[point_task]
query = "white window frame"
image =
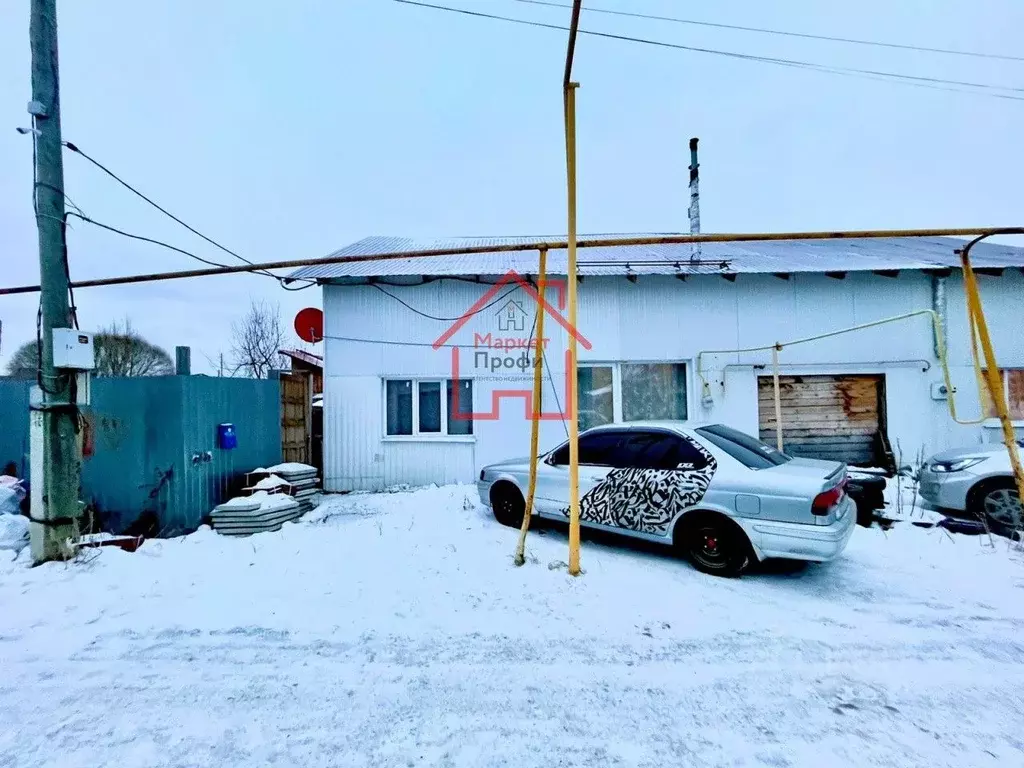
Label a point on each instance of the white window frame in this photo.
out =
(616, 367)
(416, 435)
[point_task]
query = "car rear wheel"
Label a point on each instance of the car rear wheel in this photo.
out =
(715, 545)
(998, 501)
(508, 504)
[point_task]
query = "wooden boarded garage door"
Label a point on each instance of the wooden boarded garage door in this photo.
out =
(825, 417)
(296, 416)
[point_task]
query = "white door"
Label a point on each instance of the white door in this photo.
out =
(596, 455)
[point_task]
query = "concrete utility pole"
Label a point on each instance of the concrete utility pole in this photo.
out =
(54, 515)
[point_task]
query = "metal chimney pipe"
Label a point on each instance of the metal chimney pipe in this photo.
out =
(939, 307)
(694, 209)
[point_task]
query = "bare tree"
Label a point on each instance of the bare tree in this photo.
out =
(120, 351)
(24, 362)
(257, 339)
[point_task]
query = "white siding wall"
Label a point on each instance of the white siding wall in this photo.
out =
(353, 453)
(655, 319)
(422, 463)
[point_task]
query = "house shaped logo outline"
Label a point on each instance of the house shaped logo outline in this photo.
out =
(511, 317)
(525, 394)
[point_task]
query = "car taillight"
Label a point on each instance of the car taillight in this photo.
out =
(825, 500)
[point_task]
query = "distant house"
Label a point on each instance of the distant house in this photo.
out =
(307, 361)
(663, 332)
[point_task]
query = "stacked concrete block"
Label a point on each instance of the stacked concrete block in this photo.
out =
(303, 481)
(271, 497)
(258, 513)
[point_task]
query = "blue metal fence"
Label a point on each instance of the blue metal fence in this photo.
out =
(14, 423)
(154, 446)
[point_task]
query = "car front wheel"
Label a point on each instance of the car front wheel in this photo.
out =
(999, 502)
(715, 546)
(508, 504)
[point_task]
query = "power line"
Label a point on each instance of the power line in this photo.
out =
(411, 308)
(67, 266)
(175, 248)
(162, 244)
(156, 205)
(189, 254)
(397, 343)
(145, 239)
(914, 80)
(731, 54)
(284, 280)
(256, 271)
(539, 407)
(786, 33)
(554, 389)
(74, 148)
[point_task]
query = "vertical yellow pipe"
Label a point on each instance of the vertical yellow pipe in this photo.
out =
(538, 364)
(993, 378)
(778, 397)
(574, 430)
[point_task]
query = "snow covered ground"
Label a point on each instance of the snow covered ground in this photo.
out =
(393, 630)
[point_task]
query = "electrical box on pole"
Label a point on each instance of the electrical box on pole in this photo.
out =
(73, 350)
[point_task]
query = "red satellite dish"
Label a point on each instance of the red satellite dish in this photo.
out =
(309, 325)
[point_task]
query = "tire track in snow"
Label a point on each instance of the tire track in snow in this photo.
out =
(383, 700)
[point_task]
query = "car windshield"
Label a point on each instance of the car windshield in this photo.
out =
(747, 450)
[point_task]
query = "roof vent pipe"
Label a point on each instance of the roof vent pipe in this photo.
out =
(694, 209)
(939, 307)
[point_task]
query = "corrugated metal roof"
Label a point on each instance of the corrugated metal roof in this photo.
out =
(853, 255)
(306, 357)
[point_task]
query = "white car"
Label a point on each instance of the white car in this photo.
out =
(718, 495)
(976, 480)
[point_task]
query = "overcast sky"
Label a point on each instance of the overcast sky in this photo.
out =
(290, 129)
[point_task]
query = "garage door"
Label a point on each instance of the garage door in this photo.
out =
(825, 417)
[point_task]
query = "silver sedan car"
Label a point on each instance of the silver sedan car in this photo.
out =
(717, 495)
(978, 481)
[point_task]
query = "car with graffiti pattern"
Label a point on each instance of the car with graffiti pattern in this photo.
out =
(717, 495)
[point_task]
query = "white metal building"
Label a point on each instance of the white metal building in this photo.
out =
(414, 346)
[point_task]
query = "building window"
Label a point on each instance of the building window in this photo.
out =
(460, 407)
(619, 392)
(1013, 390)
(399, 407)
(653, 391)
(595, 386)
(430, 407)
(416, 407)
